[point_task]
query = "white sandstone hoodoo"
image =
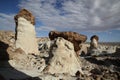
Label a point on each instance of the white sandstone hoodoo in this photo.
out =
(93, 50)
(25, 36)
(64, 59)
(94, 42)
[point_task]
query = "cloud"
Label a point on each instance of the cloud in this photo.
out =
(44, 28)
(71, 15)
(7, 21)
(75, 15)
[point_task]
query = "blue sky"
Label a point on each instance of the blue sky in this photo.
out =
(89, 17)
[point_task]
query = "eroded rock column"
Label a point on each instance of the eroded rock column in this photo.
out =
(94, 42)
(93, 50)
(25, 35)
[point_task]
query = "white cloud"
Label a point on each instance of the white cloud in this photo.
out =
(76, 15)
(73, 15)
(44, 28)
(7, 21)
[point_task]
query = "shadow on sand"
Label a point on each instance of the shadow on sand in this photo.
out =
(107, 59)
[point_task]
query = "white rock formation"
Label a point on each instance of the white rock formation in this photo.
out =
(64, 58)
(25, 33)
(27, 62)
(84, 49)
(93, 50)
(94, 43)
(44, 48)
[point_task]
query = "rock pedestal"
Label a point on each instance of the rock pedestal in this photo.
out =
(94, 42)
(64, 59)
(94, 46)
(25, 36)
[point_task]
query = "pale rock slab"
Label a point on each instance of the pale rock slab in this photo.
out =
(27, 62)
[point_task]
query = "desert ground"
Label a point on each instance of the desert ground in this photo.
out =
(102, 64)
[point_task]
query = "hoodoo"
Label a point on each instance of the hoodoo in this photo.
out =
(25, 35)
(73, 37)
(94, 42)
(63, 58)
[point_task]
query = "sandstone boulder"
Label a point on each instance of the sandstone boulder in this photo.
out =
(63, 58)
(84, 49)
(25, 32)
(6, 41)
(7, 37)
(20, 60)
(25, 14)
(73, 37)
